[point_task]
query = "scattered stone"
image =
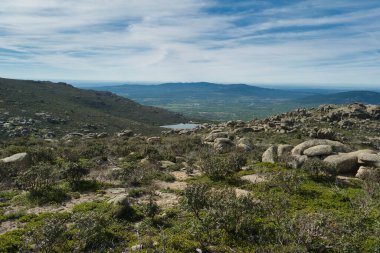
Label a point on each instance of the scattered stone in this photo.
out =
(137, 247)
(154, 140)
(125, 133)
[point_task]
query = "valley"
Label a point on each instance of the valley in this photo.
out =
(209, 101)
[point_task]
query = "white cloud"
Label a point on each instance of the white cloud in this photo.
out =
(177, 40)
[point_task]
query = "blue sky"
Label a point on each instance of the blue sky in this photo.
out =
(300, 42)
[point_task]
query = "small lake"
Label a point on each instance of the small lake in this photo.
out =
(182, 126)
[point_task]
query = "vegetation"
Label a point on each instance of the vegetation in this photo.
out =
(303, 210)
(178, 194)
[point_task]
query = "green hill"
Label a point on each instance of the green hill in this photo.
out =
(61, 107)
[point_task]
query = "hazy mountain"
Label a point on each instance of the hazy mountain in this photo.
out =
(211, 101)
(71, 108)
(367, 97)
(200, 90)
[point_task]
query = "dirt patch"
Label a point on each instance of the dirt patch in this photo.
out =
(176, 185)
(166, 200)
(8, 226)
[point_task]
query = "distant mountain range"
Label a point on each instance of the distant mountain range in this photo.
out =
(236, 101)
(77, 108)
(201, 90)
(366, 97)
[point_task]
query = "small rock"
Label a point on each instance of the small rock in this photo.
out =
(137, 247)
(154, 140)
(362, 172)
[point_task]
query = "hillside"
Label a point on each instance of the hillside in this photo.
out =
(211, 101)
(303, 181)
(367, 97)
(59, 107)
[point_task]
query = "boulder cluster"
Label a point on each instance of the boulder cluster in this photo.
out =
(332, 152)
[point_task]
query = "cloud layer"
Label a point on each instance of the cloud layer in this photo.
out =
(283, 42)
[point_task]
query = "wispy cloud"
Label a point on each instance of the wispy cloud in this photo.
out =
(309, 41)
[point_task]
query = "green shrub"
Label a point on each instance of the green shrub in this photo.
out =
(49, 236)
(42, 155)
(319, 169)
(74, 172)
(218, 167)
(38, 178)
(151, 209)
(93, 234)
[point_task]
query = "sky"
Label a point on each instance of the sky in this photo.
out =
(299, 42)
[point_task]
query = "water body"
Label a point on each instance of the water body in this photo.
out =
(181, 126)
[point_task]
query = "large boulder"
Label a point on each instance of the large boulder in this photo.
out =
(270, 155)
(244, 144)
(336, 146)
(223, 144)
(347, 162)
(212, 136)
(20, 158)
(121, 199)
(319, 150)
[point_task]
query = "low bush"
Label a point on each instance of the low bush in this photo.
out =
(319, 170)
(218, 167)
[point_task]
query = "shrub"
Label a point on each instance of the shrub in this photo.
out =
(38, 177)
(319, 169)
(92, 232)
(74, 172)
(151, 208)
(288, 180)
(372, 182)
(221, 212)
(196, 198)
(49, 236)
(218, 167)
(42, 155)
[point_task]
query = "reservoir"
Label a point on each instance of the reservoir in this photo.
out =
(181, 126)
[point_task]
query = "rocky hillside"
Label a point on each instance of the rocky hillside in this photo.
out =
(302, 181)
(53, 109)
